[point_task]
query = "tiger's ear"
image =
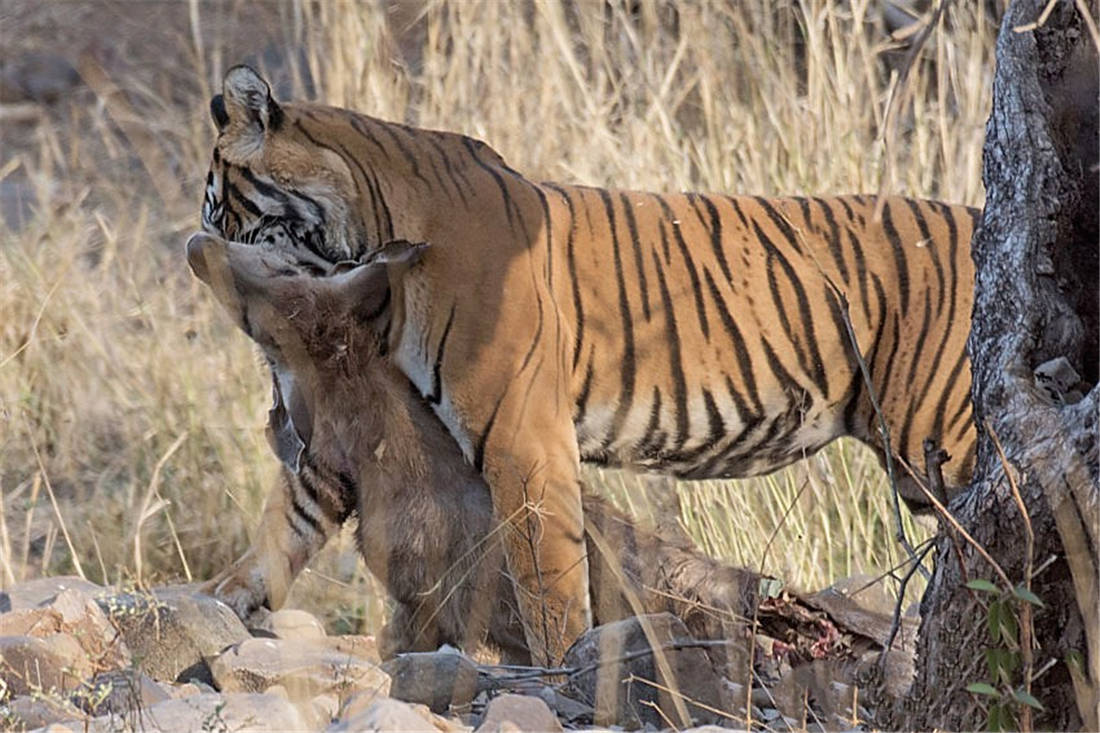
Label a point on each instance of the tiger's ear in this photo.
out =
(246, 99)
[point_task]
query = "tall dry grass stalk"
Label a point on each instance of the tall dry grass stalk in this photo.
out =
(146, 408)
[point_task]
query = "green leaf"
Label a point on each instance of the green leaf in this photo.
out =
(1027, 596)
(1026, 698)
(993, 619)
(983, 585)
(1002, 664)
(1009, 628)
(982, 688)
(1002, 622)
(1001, 717)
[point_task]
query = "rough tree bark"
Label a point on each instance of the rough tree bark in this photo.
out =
(1036, 302)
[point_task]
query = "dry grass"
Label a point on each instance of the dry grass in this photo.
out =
(128, 398)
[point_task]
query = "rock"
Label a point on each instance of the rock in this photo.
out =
(619, 669)
(38, 76)
(75, 613)
(55, 662)
(29, 622)
(30, 712)
(387, 714)
(521, 711)
(119, 692)
(567, 710)
(323, 709)
(290, 623)
(305, 669)
(762, 697)
(866, 591)
(179, 690)
(172, 633)
(237, 712)
(436, 679)
(34, 593)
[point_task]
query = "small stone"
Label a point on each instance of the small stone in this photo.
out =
(568, 710)
(305, 668)
(53, 663)
(524, 712)
(769, 714)
(34, 711)
(385, 714)
(436, 679)
(291, 623)
(325, 707)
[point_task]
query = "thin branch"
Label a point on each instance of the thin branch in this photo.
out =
(1026, 627)
(950, 519)
(884, 430)
(895, 623)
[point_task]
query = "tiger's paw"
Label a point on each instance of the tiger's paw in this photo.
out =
(242, 588)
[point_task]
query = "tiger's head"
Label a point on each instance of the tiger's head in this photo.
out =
(271, 181)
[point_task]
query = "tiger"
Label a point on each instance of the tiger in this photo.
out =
(425, 526)
(692, 334)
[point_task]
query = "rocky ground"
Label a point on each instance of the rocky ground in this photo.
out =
(77, 656)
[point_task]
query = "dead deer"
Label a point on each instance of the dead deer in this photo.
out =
(356, 438)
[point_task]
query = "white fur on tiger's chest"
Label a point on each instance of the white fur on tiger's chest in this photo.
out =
(412, 358)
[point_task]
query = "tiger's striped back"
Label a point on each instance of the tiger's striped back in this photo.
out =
(733, 358)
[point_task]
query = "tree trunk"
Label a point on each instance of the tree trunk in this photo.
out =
(1035, 316)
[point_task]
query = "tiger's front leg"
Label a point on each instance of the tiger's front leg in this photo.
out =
(292, 530)
(532, 466)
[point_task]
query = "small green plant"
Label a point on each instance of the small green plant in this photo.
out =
(214, 722)
(1008, 684)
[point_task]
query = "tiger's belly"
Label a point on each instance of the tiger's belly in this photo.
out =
(711, 442)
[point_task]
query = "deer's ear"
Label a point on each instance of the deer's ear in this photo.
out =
(206, 254)
(365, 289)
(246, 102)
(289, 423)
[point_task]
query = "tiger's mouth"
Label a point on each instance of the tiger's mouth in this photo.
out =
(302, 244)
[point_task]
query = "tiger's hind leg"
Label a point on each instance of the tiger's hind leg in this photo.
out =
(292, 529)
